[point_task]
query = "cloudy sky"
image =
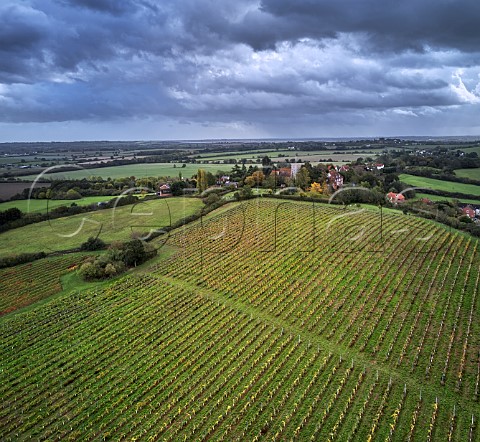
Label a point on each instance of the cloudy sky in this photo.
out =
(191, 69)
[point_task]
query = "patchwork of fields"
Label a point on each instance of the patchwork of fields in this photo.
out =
(273, 321)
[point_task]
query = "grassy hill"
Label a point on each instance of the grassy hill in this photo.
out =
(43, 206)
(108, 224)
(473, 174)
(274, 320)
(444, 186)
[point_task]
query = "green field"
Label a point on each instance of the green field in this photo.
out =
(109, 225)
(274, 320)
(472, 149)
(442, 198)
(42, 206)
(443, 186)
(311, 156)
(136, 170)
(473, 174)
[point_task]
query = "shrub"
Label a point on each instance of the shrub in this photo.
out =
(92, 244)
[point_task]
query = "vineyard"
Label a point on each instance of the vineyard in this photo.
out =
(273, 321)
(25, 284)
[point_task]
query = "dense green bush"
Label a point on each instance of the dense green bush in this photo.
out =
(117, 259)
(93, 243)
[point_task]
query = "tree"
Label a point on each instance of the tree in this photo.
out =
(210, 177)
(72, 194)
(302, 179)
(258, 176)
(93, 243)
(177, 187)
(266, 161)
(10, 215)
(202, 180)
(91, 270)
(134, 252)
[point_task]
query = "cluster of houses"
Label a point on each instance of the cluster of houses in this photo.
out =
(471, 212)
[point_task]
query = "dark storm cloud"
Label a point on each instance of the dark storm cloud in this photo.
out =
(389, 24)
(209, 61)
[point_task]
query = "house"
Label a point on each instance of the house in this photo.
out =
(285, 172)
(294, 168)
(380, 166)
(469, 211)
(224, 180)
(334, 179)
(164, 190)
(395, 198)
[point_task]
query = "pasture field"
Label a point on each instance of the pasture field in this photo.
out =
(472, 149)
(136, 170)
(272, 321)
(25, 284)
(108, 224)
(43, 206)
(444, 186)
(313, 156)
(442, 198)
(473, 174)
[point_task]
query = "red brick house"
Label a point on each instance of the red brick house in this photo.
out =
(469, 211)
(335, 179)
(395, 198)
(164, 190)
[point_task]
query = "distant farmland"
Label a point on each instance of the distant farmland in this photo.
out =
(137, 170)
(9, 189)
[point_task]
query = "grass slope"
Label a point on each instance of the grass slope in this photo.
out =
(444, 186)
(473, 174)
(442, 198)
(274, 320)
(109, 225)
(42, 206)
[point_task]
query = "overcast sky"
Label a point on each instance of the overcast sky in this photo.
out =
(191, 69)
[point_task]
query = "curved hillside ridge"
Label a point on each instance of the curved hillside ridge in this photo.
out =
(266, 226)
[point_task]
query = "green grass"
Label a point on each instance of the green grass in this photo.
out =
(473, 174)
(136, 170)
(472, 149)
(443, 186)
(109, 225)
(311, 156)
(442, 198)
(42, 206)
